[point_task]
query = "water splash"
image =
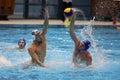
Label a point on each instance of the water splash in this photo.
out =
(86, 33)
(4, 61)
(78, 12)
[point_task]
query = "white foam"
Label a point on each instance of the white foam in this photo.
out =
(86, 33)
(4, 61)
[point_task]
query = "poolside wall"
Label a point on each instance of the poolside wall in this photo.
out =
(87, 6)
(34, 10)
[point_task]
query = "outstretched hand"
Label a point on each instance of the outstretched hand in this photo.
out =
(46, 13)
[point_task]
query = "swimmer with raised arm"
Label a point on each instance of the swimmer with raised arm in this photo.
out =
(37, 48)
(80, 52)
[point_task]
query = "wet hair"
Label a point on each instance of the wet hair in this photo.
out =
(22, 40)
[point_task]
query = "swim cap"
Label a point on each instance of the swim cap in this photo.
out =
(87, 44)
(68, 12)
(35, 35)
(35, 32)
(22, 40)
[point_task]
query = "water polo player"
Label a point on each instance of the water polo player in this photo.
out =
(21, 44)
(37, 48)
(80, 52)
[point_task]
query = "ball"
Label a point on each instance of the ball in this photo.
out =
(68, 12)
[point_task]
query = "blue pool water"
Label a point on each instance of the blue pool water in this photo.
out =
(105, 51)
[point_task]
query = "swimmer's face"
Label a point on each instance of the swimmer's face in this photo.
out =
(82, 46)
(37, 37)
(21, 44)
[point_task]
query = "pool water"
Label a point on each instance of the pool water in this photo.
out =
(14, 63)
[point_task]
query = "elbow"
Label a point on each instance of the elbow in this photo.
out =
(29, 49)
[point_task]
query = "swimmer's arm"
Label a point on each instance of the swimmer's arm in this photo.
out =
(35, 57)
(89, 60)
(46, 21)
(72, 33)
(74, 61)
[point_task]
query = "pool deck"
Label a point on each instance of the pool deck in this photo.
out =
(53, 22)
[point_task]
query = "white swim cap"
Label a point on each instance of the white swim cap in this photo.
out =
(35, 32)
